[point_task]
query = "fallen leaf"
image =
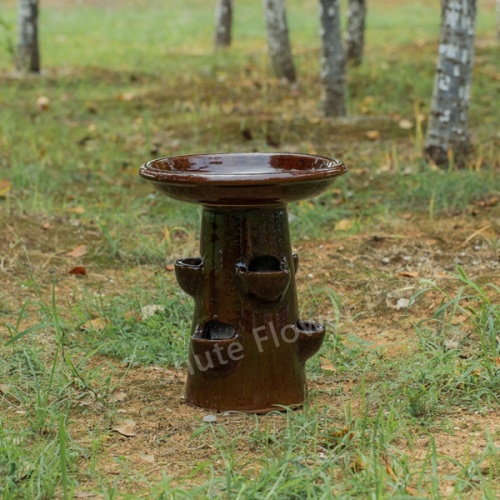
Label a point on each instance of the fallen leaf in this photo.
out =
(78, 251)
(117, 395)
(410, 491)
(402, 304)
(343, 225)
(78, 270)
(4, 187)
(75, 210)
(365, 106)
(372, 135)
(488, 202)
(169, 267)
(150, 310)
(407, 216)
(408, 274)
(405, 124)
(337, 436)
(357, 465)
(442, 275)
(126, 96)
(126, 428)
(43, 103)
(148, 458)
(4, 388)
(327, 365)
(451, 344)
(46, 225)
(96, 324)
(133, 315)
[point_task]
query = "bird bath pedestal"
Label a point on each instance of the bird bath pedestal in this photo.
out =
(248, 346)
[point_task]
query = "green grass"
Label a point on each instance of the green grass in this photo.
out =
(135, 81)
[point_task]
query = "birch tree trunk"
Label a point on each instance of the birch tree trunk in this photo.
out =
(278, 40)
(355, 36)
(498, 19)
(27, 53)
(333, 73)
(447, 133)
(223, 23)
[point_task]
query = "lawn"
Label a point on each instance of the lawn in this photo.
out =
(399, 259)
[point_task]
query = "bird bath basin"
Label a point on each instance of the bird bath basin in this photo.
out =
(248, 345)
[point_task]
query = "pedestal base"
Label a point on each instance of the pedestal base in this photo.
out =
(248, 347)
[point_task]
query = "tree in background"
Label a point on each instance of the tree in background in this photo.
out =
(447, 136)
(223, 23)
(498, 19)
(333, 73)
(278, 39)
(27, 52)
(355, 35)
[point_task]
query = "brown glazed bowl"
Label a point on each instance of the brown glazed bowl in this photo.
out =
(242, 179)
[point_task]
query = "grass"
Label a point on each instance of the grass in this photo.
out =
(414, 416)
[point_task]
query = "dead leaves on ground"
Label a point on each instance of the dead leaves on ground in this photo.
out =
(79, 210)
(78, 271)
(126, 428)
(78, 251)
(5, 187)
(43, 103)
(117, 395)
(327, 365)
(98, 324)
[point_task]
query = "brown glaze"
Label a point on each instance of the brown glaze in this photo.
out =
(248, 345)
(244, 179)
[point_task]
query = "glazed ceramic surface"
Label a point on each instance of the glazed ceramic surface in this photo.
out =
(248, 345)
(244, 179)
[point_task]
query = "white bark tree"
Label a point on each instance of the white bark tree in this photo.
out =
(447, 134)
(223, 23)
(498, 19)
(27, 51)
(278, 40)
(355, 35)
(333, 74)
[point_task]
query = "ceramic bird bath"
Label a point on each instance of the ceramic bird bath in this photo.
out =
(248, 346)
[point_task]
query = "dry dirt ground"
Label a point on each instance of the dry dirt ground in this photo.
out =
(370, 271)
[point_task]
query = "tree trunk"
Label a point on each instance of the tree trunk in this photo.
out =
(223, 23)
(278, 39)
(355, 36)
(498, 19)
(333, 73)
(27, 54)
(447, 134)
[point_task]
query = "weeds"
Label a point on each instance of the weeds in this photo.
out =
(377, 424)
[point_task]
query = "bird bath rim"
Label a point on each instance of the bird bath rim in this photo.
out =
(238, 179)
(241, 168)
